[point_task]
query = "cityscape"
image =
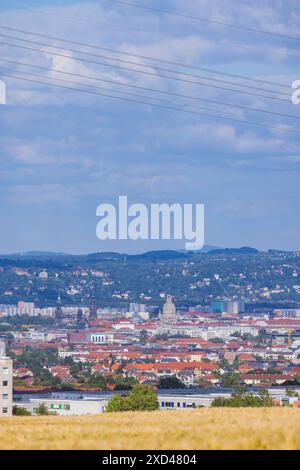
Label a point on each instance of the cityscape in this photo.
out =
(244, 335)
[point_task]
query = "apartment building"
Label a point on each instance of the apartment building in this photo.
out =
(6, 386)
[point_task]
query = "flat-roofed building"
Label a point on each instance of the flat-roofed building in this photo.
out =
(6, 386)
(65, 407)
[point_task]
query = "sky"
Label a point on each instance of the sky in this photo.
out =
(62, 153)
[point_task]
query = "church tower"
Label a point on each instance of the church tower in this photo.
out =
(58, 310)
(169, 314)
(93, 311)
(79, 316)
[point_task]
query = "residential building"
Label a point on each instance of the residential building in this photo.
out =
(6, 370)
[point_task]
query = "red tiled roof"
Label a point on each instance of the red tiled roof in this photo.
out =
(246, 357)
(206, 366)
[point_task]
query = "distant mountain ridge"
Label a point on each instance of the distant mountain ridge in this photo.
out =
(154, 255)
(107, 254)
(243, 250)
(37, 253)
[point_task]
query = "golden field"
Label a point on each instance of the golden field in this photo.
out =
(217, 428)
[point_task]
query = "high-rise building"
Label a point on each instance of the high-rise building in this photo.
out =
(26, 308)
(6, 384)
(8, 310)
(218, 306)
(235, 306)
(228, 306)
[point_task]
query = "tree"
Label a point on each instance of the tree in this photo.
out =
(125, 383)
(217, 340)
(244, 400)
(289, 383)
(143, 336)
(42, 410)
(161, 336)
(45, 378)
(38, 360)
(230, 379)
(96, 381)
(265, 397)
(170, 381)
(117, 403)
(141, 398)
(68, 361)
(224, 364)
(20, 411)
(236, 363)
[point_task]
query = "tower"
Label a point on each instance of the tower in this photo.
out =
(58, 310)
(169, 314)
(93, 311)
(79, 316)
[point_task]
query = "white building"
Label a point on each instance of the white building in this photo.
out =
(287, 313)
(26, 308)
(43, 275)
(8, 310)
(66, 407)
(101, 338)
(207, 332)
(6, 382)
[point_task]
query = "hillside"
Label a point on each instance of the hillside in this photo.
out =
(115, 280)
(269, 428)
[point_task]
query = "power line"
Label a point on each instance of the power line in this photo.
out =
(127, 93)
(92, 92)
(151, 67)
(143, 71)
(178, 64)
(189, 105)
(118, 83)
(204, 20)
(114, 25)
(93, 86)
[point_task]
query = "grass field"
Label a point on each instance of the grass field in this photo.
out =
(218, 428)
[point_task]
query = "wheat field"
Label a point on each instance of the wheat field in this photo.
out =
(217, 428)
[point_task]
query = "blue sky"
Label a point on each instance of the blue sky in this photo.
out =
(62, 153)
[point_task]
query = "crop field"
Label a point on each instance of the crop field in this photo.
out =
(217, 428)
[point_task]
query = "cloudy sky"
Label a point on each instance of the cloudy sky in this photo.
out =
(63, 152)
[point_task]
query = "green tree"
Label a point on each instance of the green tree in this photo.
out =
(236, 363)
(96, 381)
(117, 403)
(143, 336)
(241, 400)
(42, 410)
(217, 340)
(141, 398)
(124, 383)
(170, 381)
(68, 361)
(20, 411)
(230, 379)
